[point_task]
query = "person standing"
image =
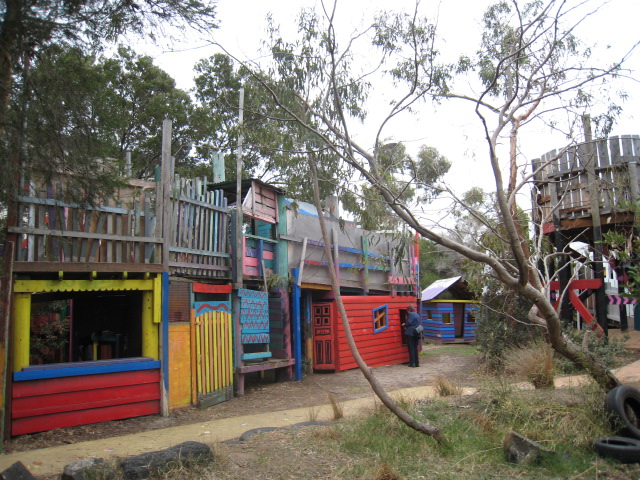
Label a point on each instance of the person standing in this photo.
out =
(413, 337)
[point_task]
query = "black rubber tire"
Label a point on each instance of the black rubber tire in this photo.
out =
(623, 449)
(623, 404)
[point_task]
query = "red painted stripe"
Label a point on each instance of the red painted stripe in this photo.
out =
(87, 382)
(206, 288)
(85, 400)
(70, 419)
(250, 262)
(267, 255)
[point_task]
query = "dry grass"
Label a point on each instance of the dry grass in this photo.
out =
(337, 407)
(533, 363)
(312, 413)
(445, 387)
(386, 473)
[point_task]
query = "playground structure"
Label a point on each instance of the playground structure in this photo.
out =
(153, 307)
(580, 193)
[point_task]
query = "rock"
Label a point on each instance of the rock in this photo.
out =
(17, 471)
(93, 469)
(147, 464)
(520, 449)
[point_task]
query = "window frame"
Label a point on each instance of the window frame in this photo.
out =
(375, 312)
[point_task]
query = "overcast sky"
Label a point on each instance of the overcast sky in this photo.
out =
(452, 129)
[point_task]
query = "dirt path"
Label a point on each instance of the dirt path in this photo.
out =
(456, 363)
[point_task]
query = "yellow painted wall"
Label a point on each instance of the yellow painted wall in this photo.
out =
(179, 365)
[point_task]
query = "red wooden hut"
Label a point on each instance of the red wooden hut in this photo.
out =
(376, 322)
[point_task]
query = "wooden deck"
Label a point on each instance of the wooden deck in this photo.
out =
(563, 180)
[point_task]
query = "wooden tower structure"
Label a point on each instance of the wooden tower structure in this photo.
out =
(580, 193)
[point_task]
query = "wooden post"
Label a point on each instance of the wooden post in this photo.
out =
(239, 253)
(21, 330)
(594, 197)
(167, 178)
(302, 256)
(297, 331)
(149, 328)
(161, 289)
(217, 164)
(6, 289)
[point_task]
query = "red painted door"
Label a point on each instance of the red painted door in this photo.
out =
(323, 351)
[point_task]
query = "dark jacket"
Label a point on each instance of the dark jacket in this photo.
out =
(413, 320)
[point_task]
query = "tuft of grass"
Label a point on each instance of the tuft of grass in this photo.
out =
(312, 413)
(533, 363)
(336, 406)
(445, 387)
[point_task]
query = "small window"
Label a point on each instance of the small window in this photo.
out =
(446, 318)
(471, 316)
(380, 318)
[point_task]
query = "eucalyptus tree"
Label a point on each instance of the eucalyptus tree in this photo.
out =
(529, 65)
(274, 148)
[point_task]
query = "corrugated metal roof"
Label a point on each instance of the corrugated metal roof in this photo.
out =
(437, 287)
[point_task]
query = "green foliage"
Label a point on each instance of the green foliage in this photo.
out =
(436, 263)
(37, 38)
(502, 324)
(564, 421)
(610, 352)
(84, 112)
(50, 332)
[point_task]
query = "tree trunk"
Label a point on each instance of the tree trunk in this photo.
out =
(384, 397)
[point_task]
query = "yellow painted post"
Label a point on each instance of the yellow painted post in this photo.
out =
(149, 327)
(199, 356)
(21, 330)
(207, 352)
(216, 350)
(157, 299)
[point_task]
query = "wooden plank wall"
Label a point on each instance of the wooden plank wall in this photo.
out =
(434, 327)
(199, 230)
(45, 404)
(563, 178)
(121, 230)
(377, 349)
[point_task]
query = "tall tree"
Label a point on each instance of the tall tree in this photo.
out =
(274, 149)
(79, 110)
(536, 68)
(29, 27)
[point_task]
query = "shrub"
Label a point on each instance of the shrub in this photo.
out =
(502, 325)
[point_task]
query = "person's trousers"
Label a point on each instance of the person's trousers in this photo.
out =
(412, 344)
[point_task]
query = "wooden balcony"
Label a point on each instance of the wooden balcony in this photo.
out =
(563, 180)
(120, 234)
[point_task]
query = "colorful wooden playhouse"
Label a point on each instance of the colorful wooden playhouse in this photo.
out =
(450, 320)
(160, 313)
(375, 284)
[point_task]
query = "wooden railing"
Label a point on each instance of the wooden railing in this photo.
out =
(562, 182)
(199, 244)
(121, 230)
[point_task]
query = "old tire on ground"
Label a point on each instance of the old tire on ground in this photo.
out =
(623, 403)
(623, 449)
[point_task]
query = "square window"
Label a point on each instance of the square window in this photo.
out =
(380, 318)
(446, 318)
